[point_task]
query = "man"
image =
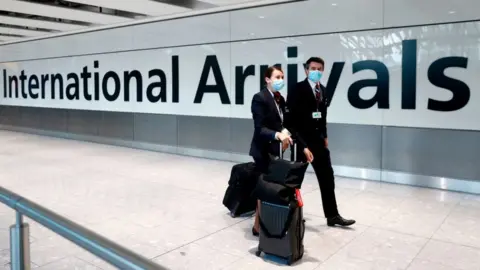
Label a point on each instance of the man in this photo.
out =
(307, 121)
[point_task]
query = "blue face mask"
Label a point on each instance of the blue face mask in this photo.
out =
(314, 75)
(277, 85)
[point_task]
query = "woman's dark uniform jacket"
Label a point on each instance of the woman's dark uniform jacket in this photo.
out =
(267, 122)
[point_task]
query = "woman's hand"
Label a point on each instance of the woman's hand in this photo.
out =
(308, 155)
(284, 138)
(285, 145)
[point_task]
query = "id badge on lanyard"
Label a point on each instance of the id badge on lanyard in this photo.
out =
(317, 115)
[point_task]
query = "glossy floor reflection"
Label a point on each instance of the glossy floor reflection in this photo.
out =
(168, 208)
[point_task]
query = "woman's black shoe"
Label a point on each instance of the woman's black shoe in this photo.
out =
(254, 232)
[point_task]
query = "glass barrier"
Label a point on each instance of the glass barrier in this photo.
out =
(94, 243)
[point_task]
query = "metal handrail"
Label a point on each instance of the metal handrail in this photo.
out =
(96, 244)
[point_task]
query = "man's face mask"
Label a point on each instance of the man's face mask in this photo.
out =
(314, 75)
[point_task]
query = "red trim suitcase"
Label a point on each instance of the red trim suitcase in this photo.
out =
(282, 227)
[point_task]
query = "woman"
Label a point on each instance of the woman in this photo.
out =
(268, 108)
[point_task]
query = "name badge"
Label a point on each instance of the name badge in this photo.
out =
(316, 115)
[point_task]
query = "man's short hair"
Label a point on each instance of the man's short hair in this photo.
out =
(314, 60)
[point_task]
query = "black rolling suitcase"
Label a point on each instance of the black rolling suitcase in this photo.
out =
(282, 226)
(238, 196)
(282, 229)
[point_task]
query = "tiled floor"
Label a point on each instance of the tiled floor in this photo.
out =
(169, 208)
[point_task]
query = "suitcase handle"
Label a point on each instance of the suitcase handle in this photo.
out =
(293, 149)
(303, 230)
(286, 226)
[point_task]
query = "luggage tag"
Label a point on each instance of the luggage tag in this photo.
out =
(299, 197)
(316, 115)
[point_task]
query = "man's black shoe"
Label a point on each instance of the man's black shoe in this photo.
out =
(338, 220)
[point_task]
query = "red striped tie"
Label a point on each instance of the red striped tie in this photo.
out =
(318, 94)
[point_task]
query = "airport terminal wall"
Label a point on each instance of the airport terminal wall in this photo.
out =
(403, 77)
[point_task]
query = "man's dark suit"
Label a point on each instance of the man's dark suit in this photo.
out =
(311, 133)
(267, 122)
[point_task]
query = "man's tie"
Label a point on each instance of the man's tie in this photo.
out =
(318, 94)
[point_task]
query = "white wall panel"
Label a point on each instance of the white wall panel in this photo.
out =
(178, 32)
(191, 62)
(434, 43)
(305, 18)
(86, 43)
(114, 40)
(254, 23)
(414, 12)
(383, 50)
(332, 48)
(192, 30)
(195, 38)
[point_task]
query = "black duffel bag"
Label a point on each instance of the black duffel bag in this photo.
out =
(286, 173)
(289, 173)
(273, 192)
(282, 178)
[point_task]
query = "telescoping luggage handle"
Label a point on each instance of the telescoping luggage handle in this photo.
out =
(293, 150)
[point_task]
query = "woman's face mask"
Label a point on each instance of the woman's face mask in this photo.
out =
(276, 81)
(277, 85)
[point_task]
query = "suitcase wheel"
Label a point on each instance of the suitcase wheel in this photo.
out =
(258, 253)
(289, 260)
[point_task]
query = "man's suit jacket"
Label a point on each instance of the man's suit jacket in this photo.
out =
(267, 123)
(301, 104)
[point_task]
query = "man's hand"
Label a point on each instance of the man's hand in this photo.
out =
(308, 155)
(326, 142)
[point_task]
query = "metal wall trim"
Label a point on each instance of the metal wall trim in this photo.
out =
(450, 184)
(358, 173)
